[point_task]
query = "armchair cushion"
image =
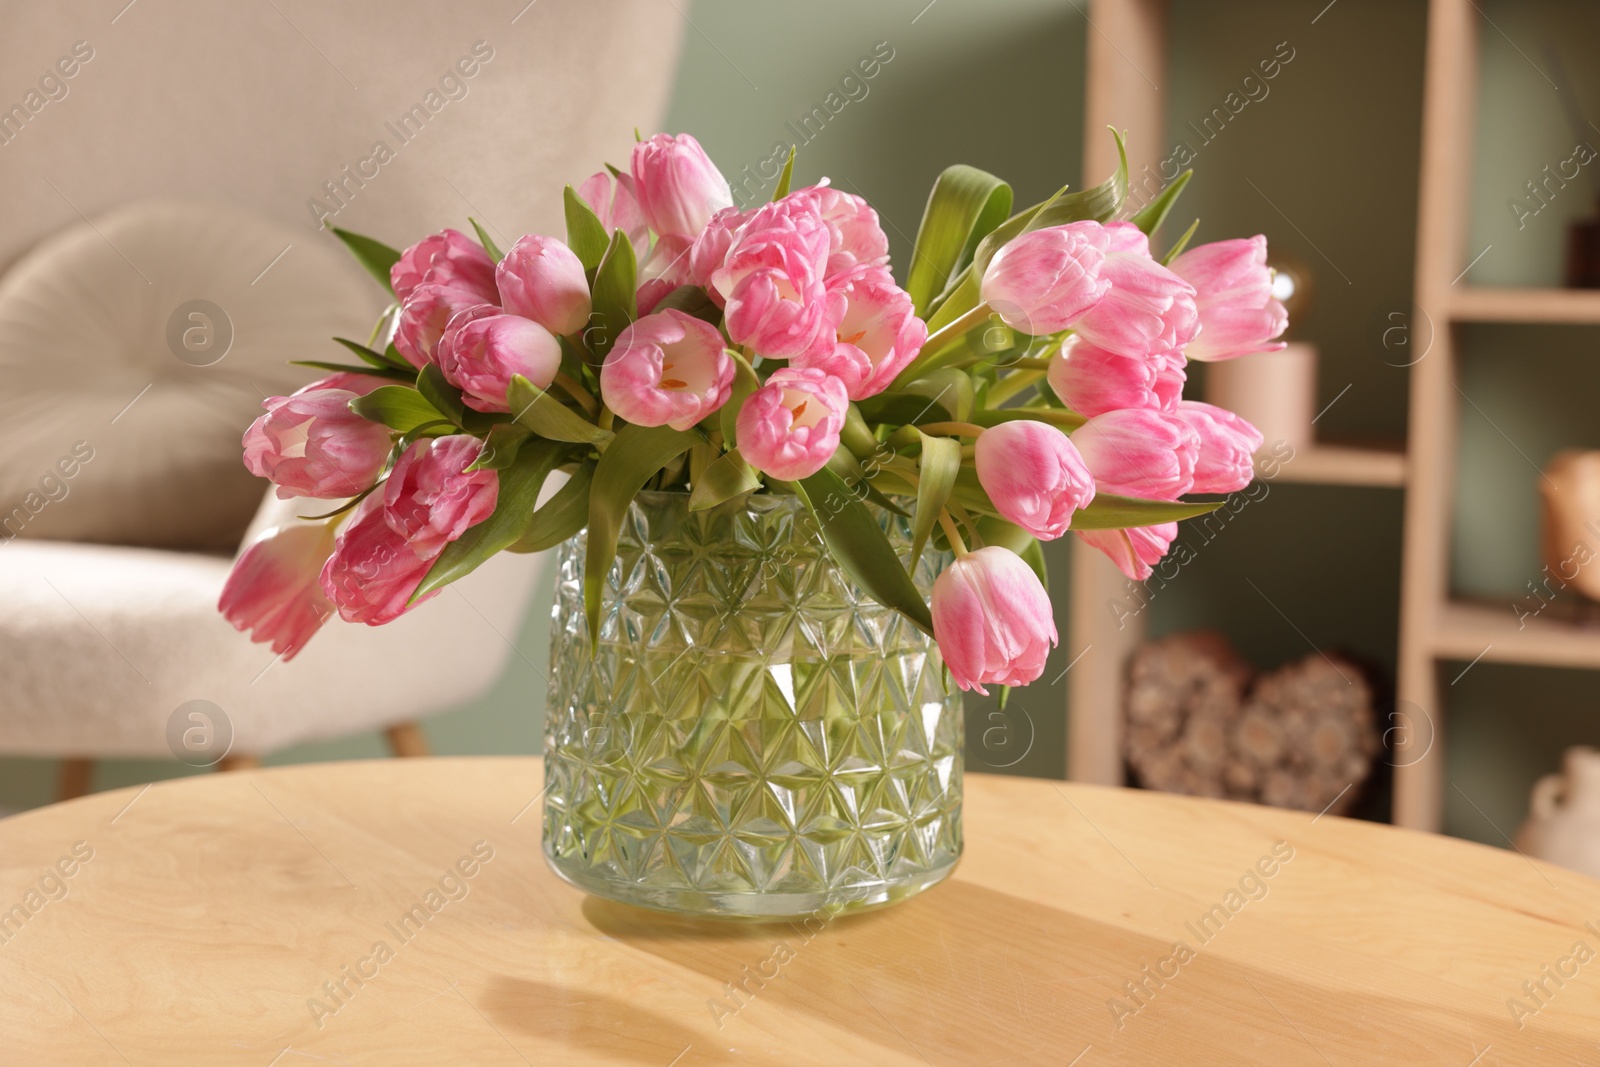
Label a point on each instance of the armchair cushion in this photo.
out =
(125, 398)
(99, 646)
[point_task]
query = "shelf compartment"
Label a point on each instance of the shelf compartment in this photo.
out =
(1471, 631)
(1573, 306)
(1338, 464)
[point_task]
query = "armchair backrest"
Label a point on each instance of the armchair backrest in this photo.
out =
(390, 118)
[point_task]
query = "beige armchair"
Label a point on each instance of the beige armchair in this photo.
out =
(138, 336)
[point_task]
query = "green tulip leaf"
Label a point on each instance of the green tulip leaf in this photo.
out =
(938, 464)
(691, 300)
(1108, 512)
(615, 297)
(563, 515)
(376, 256)
(486, 241)
(724, 478)
(965, 205)
(782, 188)
(850, 470)
(585, 234)
(1183, 242)
(441, 394)
(632, 459)
(950, 387)
(548, 417)
(399, 407)
(745, 382)
(1057, 417)
(861, 548)
(346, 368)
(377, 359)
(1150, 217)
(500, 447)
(1100, 204)
(902, 408)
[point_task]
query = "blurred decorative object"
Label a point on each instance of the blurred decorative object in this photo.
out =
(1302, 737)
(1583, 253)
(1563, 825)
(1571, 543)
(1186, 693)
(1276, 391)
(1583, 235)
(715, 359)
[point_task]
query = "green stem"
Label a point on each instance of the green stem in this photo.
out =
(577, 392)
(1012, 384)
(952, 429)
(943, 342)
(953, 533)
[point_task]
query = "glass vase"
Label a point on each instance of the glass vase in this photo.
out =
(754, 736)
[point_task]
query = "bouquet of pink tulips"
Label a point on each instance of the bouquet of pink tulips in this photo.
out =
(1026, 380)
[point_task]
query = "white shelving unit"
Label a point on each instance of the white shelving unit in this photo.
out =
(1128, 36)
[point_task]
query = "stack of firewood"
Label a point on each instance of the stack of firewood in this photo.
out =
(1303, 736)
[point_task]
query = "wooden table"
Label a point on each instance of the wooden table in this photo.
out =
(285, 917)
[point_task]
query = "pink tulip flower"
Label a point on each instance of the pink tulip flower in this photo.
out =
(451, 259)
(1233, 294)
(666, 268)
(1135, 551)
(425, 314)
(350, 381)
(1045, 280)
(855, 236)
(1149, 310)
(273, 593)
(480, 353)
(1093, 381)
(878, 336)
(677, 185)
(710, 249)
(667, 369)
(612, 200)
(992, 619)
(374, 570)
(431, 498)
(312, 444)
(789, 428)
(1034, 475)
(542, 279)
(772, 281)
(1228, 446)
(1139, 453)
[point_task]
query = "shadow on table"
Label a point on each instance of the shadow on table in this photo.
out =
(961, 971)
(967, 974)
(577, 1019)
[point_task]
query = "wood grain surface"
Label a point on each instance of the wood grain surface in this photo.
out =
(400, 912)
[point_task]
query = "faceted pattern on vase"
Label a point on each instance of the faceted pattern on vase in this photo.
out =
(752, 723)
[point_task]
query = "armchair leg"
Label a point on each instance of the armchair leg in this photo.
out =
(75, 778)
(238, 763)
(406, 739)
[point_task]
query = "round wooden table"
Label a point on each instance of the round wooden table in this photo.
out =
(400, 912)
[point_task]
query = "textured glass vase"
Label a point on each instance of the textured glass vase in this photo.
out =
(754, 736)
